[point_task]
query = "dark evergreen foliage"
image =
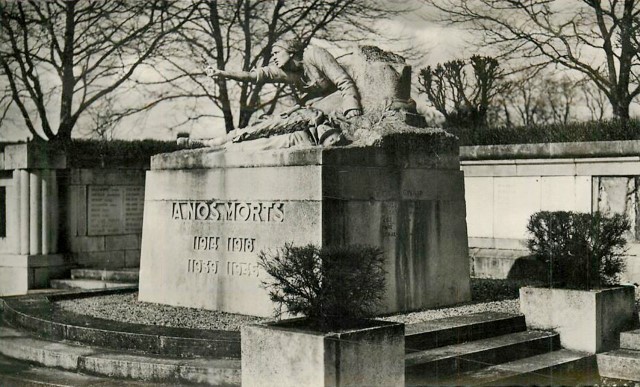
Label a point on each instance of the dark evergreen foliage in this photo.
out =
(613, 130)
(331, 286)
(583, 251)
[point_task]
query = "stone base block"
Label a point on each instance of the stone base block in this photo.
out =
(587, 320)
(19, 273)
(274, 355)
(208, 214)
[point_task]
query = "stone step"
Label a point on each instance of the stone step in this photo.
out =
(460, 329)
(22, 374)
(620, 364)
(561, 367)
(38, 316)
(89, 284)
(119, 275)
(630, 340)
(434, 364)
(117, 364)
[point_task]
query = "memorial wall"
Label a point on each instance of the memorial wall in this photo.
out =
(104, 209)
(505, 185)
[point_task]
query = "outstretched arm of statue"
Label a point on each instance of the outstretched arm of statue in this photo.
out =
(245, 76)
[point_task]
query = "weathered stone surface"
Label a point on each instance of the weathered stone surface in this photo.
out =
(383, 79)
(273, 356)
(33, 156)
(551, 150)
(19, 273)
(620, 363)
(205, 224)
(589, 321)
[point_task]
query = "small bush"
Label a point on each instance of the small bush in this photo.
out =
(583, 251)
(331, 286)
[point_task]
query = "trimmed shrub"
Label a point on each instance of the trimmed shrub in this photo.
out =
(114, 153)
(331, 286)
(582, 251)
(611, 130)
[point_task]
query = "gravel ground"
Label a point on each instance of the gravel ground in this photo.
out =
(127, 308)
(506, 306)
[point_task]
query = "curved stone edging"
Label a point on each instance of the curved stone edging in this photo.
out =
(36, 314)
(551, 150)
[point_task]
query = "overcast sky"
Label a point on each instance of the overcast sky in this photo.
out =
(441, 43)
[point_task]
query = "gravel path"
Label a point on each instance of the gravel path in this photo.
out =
(127, 308)
(505, 306)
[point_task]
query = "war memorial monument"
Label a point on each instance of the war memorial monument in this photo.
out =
(397, 185)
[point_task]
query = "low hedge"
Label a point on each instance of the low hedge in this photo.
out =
(612, 130)
(114, 153)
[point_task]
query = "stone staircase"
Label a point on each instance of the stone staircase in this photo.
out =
(99, 279)
(490, 349)
(42, 346)
(623, 363)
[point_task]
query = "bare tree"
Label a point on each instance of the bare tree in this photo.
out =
(240, 35)
(61, 58)
(595, 37)
(539, 98)
(561, 96)
(596, 102)
(462, 101)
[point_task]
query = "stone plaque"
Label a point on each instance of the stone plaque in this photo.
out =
(113, 210)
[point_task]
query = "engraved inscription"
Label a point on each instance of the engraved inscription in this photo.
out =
(388, 228)
(133, 208)
(233, 244)
(114, 209)
(228, 211)
(235, 269)
(243, 269)
(206, 243)
(412, 193)
(241, 245)
(202, 266)
(105, 210)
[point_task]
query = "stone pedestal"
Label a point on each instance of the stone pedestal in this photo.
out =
(281, 355)
(28, 251)
(208, 214)
(587, 320)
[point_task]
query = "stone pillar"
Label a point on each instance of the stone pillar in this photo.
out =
(46, 216)
(24, 211)
(35, 218)
(14, 207)
(54, 211)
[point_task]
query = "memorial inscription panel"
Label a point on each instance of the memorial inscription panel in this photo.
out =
(115, 210)
(209, 248)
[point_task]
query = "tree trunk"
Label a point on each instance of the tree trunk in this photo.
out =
(223, 97)
(621, 111)
(68, 80)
